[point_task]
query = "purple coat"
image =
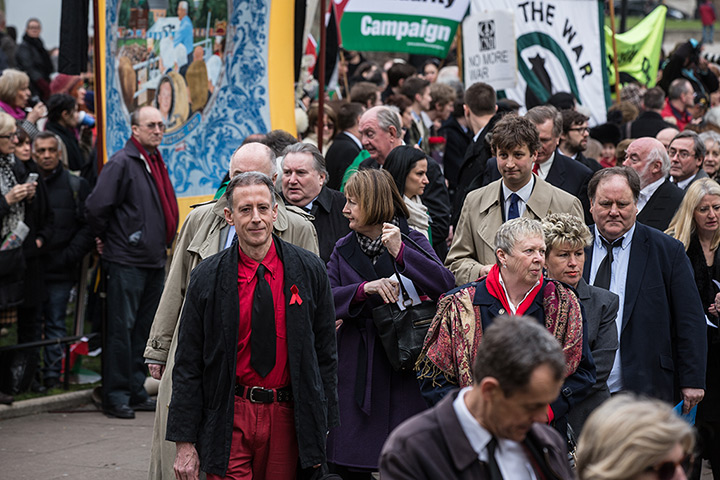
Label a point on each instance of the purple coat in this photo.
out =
(373, 398)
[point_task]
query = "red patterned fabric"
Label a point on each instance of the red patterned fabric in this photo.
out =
(452, 340)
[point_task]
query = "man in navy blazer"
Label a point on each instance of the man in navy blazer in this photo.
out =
(661, 324)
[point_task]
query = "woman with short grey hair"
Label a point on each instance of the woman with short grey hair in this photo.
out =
(515, 286)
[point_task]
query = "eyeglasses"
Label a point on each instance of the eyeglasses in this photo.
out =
(153, 126)
(666, 470)
(12, 135)
(329, 126)
(682, 154)
(579, 129)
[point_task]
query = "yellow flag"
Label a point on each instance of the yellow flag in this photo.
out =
(638, 49)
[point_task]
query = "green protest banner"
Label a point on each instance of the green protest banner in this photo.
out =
(414, 26)
(638, 49)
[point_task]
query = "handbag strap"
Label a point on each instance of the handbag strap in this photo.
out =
(405, 295)
(420, 249)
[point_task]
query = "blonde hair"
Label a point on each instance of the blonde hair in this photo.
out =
(7, 123)
(11, 81)
(376, 194)
(682, 225)
(626, 435)
(565, 229)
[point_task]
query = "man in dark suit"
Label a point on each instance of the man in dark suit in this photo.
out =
(574, 138)
(659, 198)
(346, 146)
(660, 321)
(687, 153)
(256, 341)
(649, 122)
(303, 178)
(497, 428)
(480, 113)
(551, 165)
(380, 130)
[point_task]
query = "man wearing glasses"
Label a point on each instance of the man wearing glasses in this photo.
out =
(686, 152)
(134, 215)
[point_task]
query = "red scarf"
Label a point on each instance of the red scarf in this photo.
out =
(166, 193)
(496, 290)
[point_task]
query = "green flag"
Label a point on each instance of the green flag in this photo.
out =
(638, 49)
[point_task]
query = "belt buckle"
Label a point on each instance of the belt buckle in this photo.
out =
(252, 396)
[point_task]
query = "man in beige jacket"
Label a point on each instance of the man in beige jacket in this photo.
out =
(205, 233)
(519, 193)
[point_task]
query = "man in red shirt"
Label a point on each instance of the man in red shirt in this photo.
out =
(254, 384)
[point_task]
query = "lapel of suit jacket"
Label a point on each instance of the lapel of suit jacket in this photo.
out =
(230, 301)
(491, 203)
(294, 274)
(357, 259)
(636, 270)
(539, 202)
(556, 175)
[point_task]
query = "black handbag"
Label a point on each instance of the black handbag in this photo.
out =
(402, 332)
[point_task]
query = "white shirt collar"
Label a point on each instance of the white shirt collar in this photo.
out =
(524, 193)
(684, 183)
(507, 295)
(354, 138)
(544, 168)
(648, 192)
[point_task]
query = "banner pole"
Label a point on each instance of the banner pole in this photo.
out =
(321, 77)
(460, 62)
(614, 45)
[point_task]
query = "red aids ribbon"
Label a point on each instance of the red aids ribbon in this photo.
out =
(295, 296)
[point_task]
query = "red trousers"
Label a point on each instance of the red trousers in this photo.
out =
(264, 445)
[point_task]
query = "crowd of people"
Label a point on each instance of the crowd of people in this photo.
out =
(561, 265)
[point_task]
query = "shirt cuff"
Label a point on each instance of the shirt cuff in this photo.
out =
(149, 361)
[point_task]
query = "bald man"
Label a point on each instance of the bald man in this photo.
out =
(666, 135)
(659, 198)
(205, 233)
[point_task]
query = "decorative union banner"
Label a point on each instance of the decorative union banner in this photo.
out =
(560, 48)
(414, 26)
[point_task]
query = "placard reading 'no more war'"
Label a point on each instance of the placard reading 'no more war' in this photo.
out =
(489, 49)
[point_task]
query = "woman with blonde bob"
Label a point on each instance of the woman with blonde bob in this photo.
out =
(566, 237)
(697, 225)
(630, 438)
(374, 398)
(14, 98)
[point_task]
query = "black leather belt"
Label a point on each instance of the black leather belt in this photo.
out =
(264, 395)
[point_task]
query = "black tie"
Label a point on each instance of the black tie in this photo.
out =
(493, 468)
(602, 278)
(262, 337)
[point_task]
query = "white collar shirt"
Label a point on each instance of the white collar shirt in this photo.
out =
(509, 455)
(648, 192)
(618, 283)
(524, 194)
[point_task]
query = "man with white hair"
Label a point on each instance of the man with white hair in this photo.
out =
(380, 132)
(205, 233)
(659, 197)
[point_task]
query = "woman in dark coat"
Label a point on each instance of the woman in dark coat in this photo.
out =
(515, 286)
(373, 398)
(697, 225)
